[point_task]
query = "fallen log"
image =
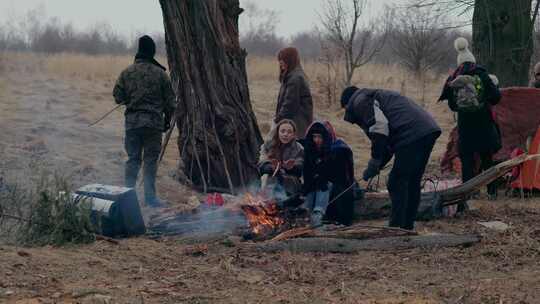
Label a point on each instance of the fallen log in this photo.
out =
(378, 204)
(336, 245)
(456, 194)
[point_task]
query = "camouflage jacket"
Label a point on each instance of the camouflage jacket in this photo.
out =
(146, 91)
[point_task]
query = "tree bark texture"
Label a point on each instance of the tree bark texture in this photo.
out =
(502, 39)
(219, 137)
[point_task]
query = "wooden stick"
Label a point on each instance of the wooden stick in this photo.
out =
(225, 166)
(277, 169)
(105, 115)
(199, 165)
(397, 229)
(345, 232)
(239, 160)
(339, 195)
(167, 138)
(292, 233)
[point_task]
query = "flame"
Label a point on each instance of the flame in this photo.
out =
(262, 214)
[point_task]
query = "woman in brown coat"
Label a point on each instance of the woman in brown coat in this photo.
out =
(294, 99)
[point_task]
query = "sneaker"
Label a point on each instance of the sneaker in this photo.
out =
(316, 218)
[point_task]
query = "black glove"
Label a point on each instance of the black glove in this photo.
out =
(373, 168)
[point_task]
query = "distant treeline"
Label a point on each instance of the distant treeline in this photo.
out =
(51, 35)
(38, 33)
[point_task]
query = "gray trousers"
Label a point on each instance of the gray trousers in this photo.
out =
(143, 146)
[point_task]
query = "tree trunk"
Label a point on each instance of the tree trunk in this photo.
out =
(502, 39)
(219, 137)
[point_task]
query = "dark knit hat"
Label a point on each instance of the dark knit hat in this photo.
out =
(147, 47)
(347, 94)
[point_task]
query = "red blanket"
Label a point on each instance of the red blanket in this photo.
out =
(518, 117)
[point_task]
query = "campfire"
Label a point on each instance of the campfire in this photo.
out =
(254, 216)
(264, 215)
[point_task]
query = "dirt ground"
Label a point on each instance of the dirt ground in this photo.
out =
(44, 121)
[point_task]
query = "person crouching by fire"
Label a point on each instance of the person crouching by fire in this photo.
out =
(328, 176)
(395, 125)
(281, 161)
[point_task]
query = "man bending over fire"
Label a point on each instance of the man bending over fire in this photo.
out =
(395, 125)
(328, 176)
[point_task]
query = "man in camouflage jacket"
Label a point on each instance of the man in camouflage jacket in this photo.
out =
(145, 89)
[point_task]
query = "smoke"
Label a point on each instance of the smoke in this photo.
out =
(207, 220)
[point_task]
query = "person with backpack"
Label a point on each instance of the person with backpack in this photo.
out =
(471, 93)
(395, 125)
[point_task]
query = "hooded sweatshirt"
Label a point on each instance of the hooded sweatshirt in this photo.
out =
(389, 119)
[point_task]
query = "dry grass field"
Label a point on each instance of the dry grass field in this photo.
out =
(46, 104)
(99, 73)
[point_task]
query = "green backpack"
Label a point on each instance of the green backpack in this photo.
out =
(468, 92)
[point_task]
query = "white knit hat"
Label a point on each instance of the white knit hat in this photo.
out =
(494, 79)
(464, 55)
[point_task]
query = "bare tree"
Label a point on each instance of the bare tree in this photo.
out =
(259, 35)
(328, 82)
(416, 41)
(342, 26)
(502, 33)
(308, 43)
(220, 139)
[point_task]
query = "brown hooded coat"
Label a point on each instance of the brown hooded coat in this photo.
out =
(294, 99)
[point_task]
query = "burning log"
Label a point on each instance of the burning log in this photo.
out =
(253, 216)
(268, 217)
(263, 219)
(339, 245)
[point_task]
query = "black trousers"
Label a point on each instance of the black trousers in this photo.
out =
(405, 180)
(143, 146)
(468, 167)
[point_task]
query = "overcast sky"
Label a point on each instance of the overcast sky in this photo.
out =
(132, 16)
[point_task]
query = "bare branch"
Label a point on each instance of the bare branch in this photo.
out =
(358, 42)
